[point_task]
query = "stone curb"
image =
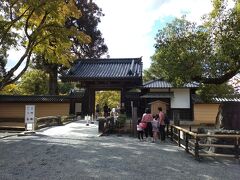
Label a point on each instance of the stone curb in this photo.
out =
(8, 135)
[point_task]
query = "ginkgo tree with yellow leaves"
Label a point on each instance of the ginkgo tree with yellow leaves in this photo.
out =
(38, 26)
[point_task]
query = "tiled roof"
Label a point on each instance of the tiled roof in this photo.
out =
(92, 69)
(197, 99)
(226, 99)
(36, 99)
(164, 84)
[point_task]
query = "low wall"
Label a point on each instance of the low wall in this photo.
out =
(17, 110)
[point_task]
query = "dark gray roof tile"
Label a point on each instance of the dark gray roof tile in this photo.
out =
(216, 99)
(91, 69)
(164, 84)
(197, 99)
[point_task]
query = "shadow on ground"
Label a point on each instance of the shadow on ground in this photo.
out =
(72, 156)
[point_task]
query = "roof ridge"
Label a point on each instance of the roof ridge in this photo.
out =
(148, 82)
(159, 79)
(95, 60)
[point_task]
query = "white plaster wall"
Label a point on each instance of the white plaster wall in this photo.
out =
(181, 98)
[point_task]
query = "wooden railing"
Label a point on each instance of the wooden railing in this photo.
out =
(47, 121)
(195, 143)
(109, 125)
(53, 120)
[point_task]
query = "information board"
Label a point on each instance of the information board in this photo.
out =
(29, 114)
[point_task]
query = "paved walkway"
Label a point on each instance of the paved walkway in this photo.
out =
(75, 151)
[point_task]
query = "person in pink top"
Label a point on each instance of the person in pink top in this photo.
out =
(147, 118)
(162, 124)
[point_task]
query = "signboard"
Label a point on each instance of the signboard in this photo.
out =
(87, 118)
(29, 114)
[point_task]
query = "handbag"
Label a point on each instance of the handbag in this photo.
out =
(143, 125)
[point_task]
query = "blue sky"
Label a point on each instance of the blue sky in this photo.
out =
(160, 24)
(130, 26)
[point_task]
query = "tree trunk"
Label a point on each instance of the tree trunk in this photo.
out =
(53, 84)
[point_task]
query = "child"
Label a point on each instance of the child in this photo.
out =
(155, 126)
(139, 130)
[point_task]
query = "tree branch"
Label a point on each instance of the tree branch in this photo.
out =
(217, 80)
(27, 25)
(40, 26)
(11, 24)
(10, 10)
(22, 72)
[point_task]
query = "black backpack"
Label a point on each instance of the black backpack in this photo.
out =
(166, 119)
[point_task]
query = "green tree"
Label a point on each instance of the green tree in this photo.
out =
(64, 88)
(38, 27)
(179, 52)
(33, 82)
(87, 23)
(209, 91)
(111, 98)
(51, 68)
(149, 74)
(207, 53)
(10, 89)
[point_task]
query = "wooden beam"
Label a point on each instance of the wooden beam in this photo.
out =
(216, 155)
(216, 145)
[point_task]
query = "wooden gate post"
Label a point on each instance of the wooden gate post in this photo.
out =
(186, 142)
(179, 139)
(134, 121)
(237, 149)
(197, 148)
(171, 133)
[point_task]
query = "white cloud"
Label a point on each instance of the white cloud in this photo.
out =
(128, 24)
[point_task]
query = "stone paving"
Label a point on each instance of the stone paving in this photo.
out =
(75, 151)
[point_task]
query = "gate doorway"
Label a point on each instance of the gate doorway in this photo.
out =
(105, 74)
(111, 99)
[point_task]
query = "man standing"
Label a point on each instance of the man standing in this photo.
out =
(161, 124)
(97, 111)
(105, 110)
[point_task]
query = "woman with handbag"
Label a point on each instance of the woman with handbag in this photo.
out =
(147, 118)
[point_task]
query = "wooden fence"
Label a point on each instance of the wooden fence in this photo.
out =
(53, 120)
(196, 144)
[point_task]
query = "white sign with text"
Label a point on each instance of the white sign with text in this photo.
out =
(29, 113)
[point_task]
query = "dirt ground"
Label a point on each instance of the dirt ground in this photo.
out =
(75, 151)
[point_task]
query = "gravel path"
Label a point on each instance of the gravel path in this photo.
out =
(74, 151)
